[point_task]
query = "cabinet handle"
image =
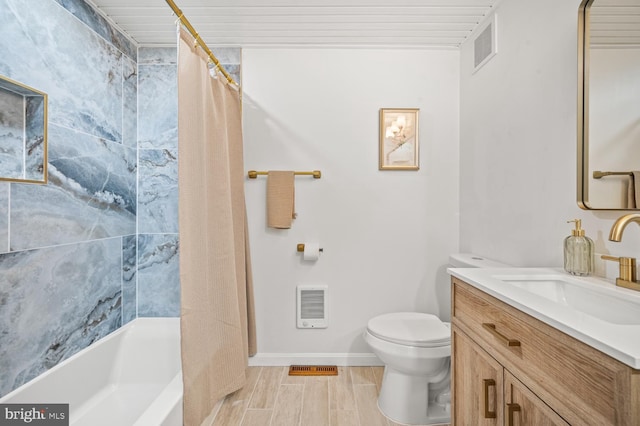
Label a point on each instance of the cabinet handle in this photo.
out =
(491, 328)
(511, 408)
(488, 414)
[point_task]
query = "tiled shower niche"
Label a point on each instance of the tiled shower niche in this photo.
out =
(23, 132)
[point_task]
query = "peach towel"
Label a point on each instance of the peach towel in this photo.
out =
(280, 199)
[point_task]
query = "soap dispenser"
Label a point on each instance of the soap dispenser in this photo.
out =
(578, 251)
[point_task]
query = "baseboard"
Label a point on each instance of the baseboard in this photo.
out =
(340, 359)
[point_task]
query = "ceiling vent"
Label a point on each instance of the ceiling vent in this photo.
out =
(485, 44)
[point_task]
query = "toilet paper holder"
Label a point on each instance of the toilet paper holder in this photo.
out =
(300, 248)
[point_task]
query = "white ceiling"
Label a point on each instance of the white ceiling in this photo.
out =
(244, 23)
(615, 23)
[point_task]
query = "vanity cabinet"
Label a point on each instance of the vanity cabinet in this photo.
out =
(512, 369)
(523, 407)
(491, 395)
(477, 383)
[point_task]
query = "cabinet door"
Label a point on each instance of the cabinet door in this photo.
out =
(477, 384)
(524, 408)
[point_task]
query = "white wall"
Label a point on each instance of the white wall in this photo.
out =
(518, 141)
(386, 234)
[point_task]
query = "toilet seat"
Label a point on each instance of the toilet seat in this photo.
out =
(410, 329)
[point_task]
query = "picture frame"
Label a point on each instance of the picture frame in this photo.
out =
(399, 144)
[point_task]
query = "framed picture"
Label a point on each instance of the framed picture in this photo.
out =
(399, 139)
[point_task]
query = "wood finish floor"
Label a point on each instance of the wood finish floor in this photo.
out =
(273, 398)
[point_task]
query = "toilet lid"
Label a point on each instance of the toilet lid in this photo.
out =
(410, 328)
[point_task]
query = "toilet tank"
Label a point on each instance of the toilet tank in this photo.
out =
(470, 260)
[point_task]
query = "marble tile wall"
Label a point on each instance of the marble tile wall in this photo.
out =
(98, 245)
(67, 249)
(54, 302)
(158, 274)
(157, 212)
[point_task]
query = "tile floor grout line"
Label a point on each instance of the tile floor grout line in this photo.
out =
(255, 385)
(329, 400)
(275, 402)
(250, 396)
(304, 389)
(355, 397)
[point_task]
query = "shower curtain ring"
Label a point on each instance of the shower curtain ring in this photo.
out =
(215, 68)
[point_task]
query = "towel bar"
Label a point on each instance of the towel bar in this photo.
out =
(316, 174)
(599, 174)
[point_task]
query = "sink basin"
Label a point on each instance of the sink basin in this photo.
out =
(610, 305)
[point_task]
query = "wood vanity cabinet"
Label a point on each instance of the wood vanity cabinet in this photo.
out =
(487, 394)
(509, 368)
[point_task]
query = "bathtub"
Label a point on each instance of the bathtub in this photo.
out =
(130, 377)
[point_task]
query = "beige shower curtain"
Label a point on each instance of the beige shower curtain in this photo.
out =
(217, 326)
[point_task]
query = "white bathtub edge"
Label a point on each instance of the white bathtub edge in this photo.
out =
(166, 409)
(9, 398)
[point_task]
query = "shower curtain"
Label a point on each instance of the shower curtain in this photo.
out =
(217, 324)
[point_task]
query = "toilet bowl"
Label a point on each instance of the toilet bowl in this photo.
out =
(416, 351)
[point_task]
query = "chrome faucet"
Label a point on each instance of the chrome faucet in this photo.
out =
(627, 276)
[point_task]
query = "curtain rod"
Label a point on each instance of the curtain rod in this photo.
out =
(199, 40)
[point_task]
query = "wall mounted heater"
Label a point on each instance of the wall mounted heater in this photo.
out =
(312, 306)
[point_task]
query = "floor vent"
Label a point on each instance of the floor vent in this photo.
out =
(313, 370)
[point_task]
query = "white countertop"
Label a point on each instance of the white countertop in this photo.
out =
(620, 341)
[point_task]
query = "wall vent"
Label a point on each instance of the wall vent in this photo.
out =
(312, 306)
(485, 45)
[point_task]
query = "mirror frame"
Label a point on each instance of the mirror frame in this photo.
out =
(583, 107)
(45, 154)
(583, 175)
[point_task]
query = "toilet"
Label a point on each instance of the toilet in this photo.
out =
(416, 351)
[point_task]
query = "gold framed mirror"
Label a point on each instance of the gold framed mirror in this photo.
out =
(609, 105)
(23, 133)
